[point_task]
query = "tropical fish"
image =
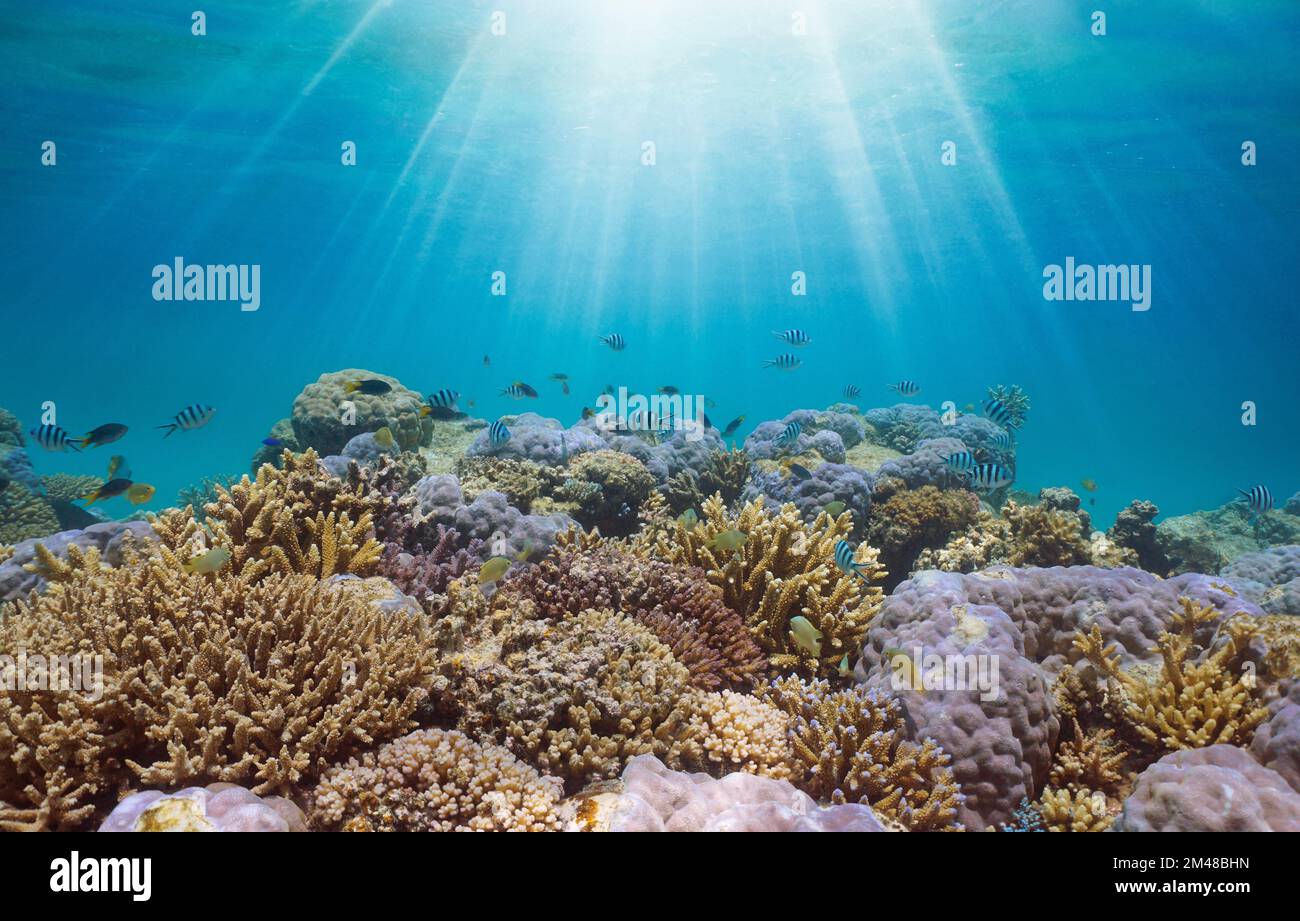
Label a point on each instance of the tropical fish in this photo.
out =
(784, 362)
(1000, 414)
(103, 435)
(371, 386)
(727, 541)
(844, 560)
(384, 438)
(139, 493)
(1003, 439)
(1258, 498)
(443, 399)
(906, 674)
(843, 667)
(53, 438)
(988, 476)
(835, 508)
(498, 434)
(207, 563)
(732, 426)
(614, 341)
(518, 390)
(108, 491)
(609, 390)
(117, 466)
(564, 451)
(588, 412)
(789, 434)
(906, 388)
(796, 337)
(272, 442)
(798, 471)
(961, 462)
(1088, 484)
(710, 403)
(851, 391)
(494, 569)
(189, 418)
(805, 635)
(669, 389)
(688, 519)
(559, 376)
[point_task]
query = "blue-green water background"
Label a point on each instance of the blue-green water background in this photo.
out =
(775, 153)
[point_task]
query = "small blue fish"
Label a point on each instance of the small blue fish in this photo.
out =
(790, 434)
(796, 337)
(851, 391)
(844, 560)
(961, 462)
(498, 434)
(989, 476)
(1258, 498)
(190, 418)
(614, 341)
(906, 388)
(53, 438)
(272, 442)
(999, 414)
(784, 362)
(799, 471)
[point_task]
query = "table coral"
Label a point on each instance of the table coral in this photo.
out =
(852, 748)
(204, 680)
(784, 569)
(436, 780)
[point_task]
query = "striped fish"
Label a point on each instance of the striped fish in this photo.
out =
(851, 391)
(444, 399)
(189, 418)
(961, 462)
(1258, 498)
(844, 560)
(1000, 414)
(906, 388)
(988, 476)
(790, 434)
(53, 438)
(498, 434)
(518, 390)
(796, 337)
(784, 362)
(1003, 440)
(614, 341)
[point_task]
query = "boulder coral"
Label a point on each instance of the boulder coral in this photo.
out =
(320, 422)
(219, 807)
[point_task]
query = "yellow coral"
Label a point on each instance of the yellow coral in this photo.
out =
(1089, 761)
(1074, 811)
(730, 732)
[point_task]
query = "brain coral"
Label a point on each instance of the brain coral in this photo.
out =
(622, 483)
(216, 807)
(653, 798)
(1219, 788)
(204, 680)
(436, 780)
(318, 413)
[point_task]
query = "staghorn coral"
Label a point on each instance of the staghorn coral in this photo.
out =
(909, 521)
(1193, 703)
(436, 780)
(784, 569)
(730, 732)
(1091, 761)
(203, 680)
(291, 519)
(683, 609)
(1041, 535)
(853, 749)
(1074, 810)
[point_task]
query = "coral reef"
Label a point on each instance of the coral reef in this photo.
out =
(1277, 740)
(436, 780)
(725, 473)
(504, 529)
(216, 807)
(828, 483)
(621, 484)
(1270, 578)
(23, 570)
(730, 732)
(1135, 529)
(906, 522)
(1206, 541)
(320, 423)
(24, 514)
(204, 679)
(1074, 810)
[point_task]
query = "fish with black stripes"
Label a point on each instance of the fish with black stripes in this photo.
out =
(614, 341)
(906, 388)
(498, 434)
(844, 552)
(795, 337)
(1000, 413)
(988, 476)
(188, 419)
(53, 438)
(960, 462)
(790, 434)
(1258, 498)
(852, 391)
(785, 362)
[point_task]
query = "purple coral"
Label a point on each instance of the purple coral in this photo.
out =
(828, 483)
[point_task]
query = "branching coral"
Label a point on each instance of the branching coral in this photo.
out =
(1044, 536)
(853, 748)
(726, 474)
(983, 543)
(736, 732)
(912, 520)
(522, 481)
(1090, 761)
(203, 680)
(1074, 810)
(784, 569)
(1193, 703)
(1013, 398)
(436, 780)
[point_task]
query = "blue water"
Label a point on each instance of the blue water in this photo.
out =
(774, 154)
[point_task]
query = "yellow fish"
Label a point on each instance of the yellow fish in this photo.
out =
(728, 540)
(1089, 484)
(844, 669)
(207, 563)
(688, 519)
(493, 569)
(805, 635)
(906, 675)
(139, 493)
(384, 438)
(835, 509)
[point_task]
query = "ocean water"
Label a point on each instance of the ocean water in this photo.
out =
(774, 153)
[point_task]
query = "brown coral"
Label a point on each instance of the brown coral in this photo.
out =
(725, 473)
(912, 520)
(730, 732)
(1044, 536)
(1091, 760)
(852, 747)
(1075, 810)
(24, 514)
(203, 680)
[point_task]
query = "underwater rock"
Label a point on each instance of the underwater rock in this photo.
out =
(1277, 740)
(649, 797)
(1270, 578)
(1206, 541)
(1135, 529)
(216, 807)
(1219, 788)
(112, 538)
(318, 414)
